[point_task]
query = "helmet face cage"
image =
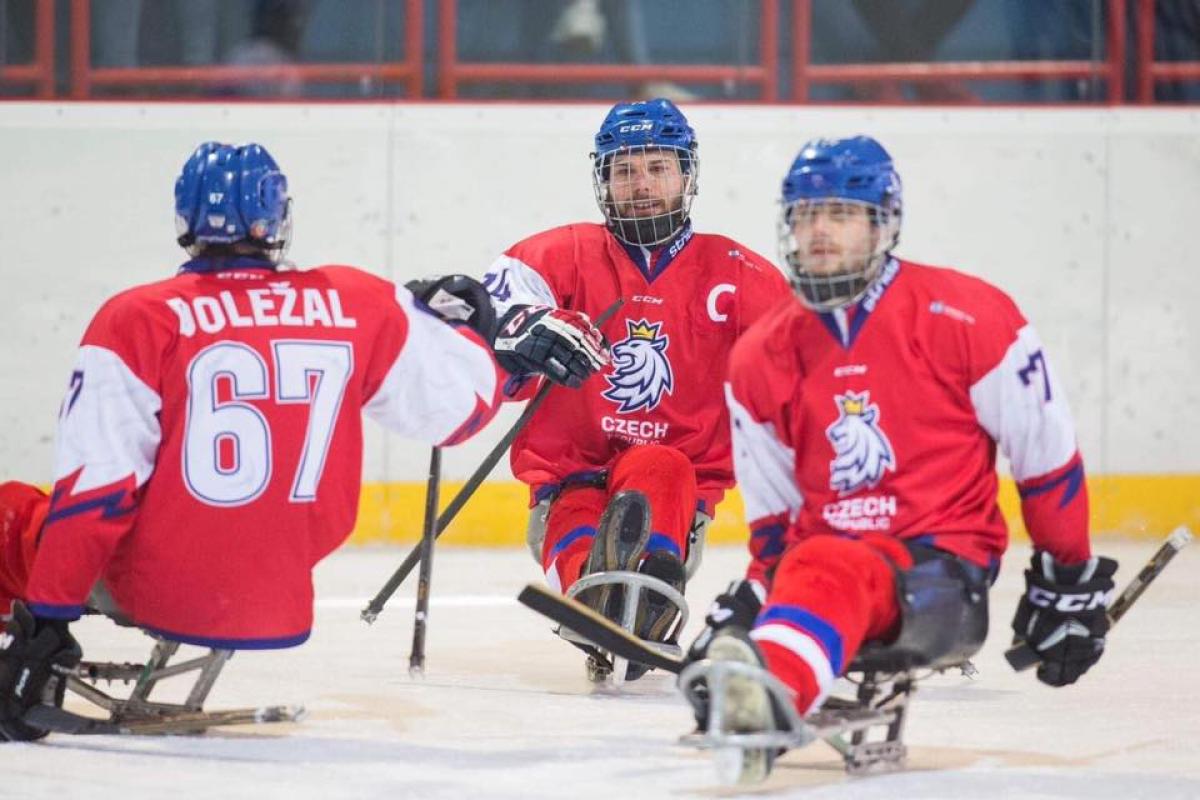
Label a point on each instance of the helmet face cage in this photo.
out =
(645, 192)
(277, 246)
(834, 247)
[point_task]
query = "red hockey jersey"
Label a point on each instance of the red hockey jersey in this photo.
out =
(685, 305)
(209, 447)
(886, 416)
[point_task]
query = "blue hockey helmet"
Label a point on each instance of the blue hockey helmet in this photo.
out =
(832, 183)
(235, 198)
(641, 128)
(646, 123)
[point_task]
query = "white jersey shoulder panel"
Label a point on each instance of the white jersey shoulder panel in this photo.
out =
(510, 282)
(436, 383)
(763, 465)
(1021, 404)
(108, 425)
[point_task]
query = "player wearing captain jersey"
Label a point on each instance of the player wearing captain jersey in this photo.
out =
(866, 419)
(209, 448)
(647, 436)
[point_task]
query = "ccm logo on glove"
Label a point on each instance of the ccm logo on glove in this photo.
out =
(1086, 601)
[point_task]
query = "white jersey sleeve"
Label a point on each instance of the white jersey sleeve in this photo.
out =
(1023, 407)
(108, 426)
(512, 282)
(444, 384)
(764, 466)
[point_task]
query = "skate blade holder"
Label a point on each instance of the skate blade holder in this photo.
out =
(138, 714)
(843, 724)
(635, 585)
(715, 675)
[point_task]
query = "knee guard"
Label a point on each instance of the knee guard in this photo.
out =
(943, 614)
(535, 529)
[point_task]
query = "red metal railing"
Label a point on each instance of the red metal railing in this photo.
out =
(452, 72)
(84, 77)
(38, 73)
(1150, 72)
(805, 74)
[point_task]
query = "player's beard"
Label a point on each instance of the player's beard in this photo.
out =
(824, 288)
(833, 290)
(649, 231)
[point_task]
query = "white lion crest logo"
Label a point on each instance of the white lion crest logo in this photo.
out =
(862, 452)
(641, 371)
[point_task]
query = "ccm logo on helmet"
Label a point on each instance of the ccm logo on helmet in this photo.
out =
(635, 127)
(1085, 601)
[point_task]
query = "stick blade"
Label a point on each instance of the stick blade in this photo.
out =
(1181, 537)
(601, 632)
(1021, 657)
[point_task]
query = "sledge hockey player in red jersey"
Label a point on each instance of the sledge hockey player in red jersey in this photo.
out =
(209, 448)
(866, 417)
(621, 469)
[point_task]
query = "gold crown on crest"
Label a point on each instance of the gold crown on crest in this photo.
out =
(852, 403)
(643, 329)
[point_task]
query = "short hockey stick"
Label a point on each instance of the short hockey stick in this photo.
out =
(416, 657)
(603, 633)
(1022, 656)
(57, 720)
(371, 612)
(611, 637)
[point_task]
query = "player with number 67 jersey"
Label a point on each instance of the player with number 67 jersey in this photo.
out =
(209, 449)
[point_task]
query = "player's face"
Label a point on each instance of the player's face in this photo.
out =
(832, 236)
(646, 183)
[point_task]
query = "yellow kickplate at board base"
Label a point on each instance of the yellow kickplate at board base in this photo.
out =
(1140, 506)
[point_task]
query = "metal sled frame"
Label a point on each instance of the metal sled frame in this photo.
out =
(535, 535)
(866, 730)
(138, 714)
(635, 585)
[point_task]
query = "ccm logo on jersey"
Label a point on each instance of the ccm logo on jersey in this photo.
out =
(1085, 601)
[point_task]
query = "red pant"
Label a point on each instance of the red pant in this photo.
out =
(829, 595)
(22, 511)
(662, 473)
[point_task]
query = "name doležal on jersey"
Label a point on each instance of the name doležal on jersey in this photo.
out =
(277, 305)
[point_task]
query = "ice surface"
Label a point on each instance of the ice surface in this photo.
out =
(506, 712)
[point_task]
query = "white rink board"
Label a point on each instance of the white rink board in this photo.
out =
(505, 711)
(1086, 216)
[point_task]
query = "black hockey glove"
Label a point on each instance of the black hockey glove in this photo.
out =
(35, 656)
(737, 606)
(1064, 615)
(562, 345)
(458, 299)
